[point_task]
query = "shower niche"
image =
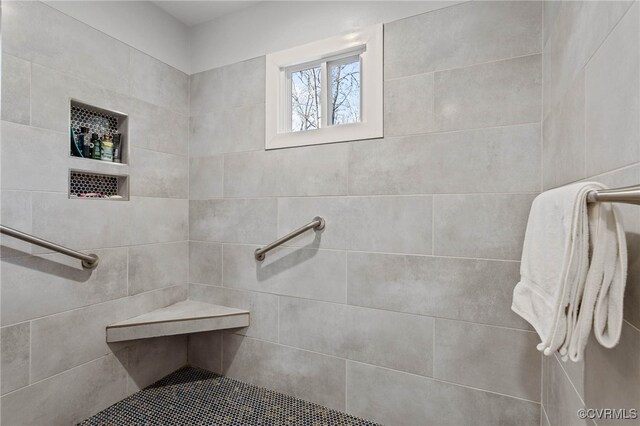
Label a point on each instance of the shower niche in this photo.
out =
(97, 133)
(99, 152)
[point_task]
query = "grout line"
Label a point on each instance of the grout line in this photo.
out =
(78, 308)
(346, 386)
(412, 314)
(493, 61)
(346, 277)
(60, 373)
(555, 357)
(278, 319)
(389, 195)
(632, 326)
(127, 263)
(542, 382)
(292, 248)
(433, 225)
(221, 339)
(545, 414)
(433, 349)
(30, 353)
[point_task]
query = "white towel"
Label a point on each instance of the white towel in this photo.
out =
(573, 271)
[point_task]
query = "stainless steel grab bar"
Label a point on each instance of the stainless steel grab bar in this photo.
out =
(628, 195)
(89, 261)
(316, 224)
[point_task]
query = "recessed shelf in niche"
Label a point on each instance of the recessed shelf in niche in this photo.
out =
(111, 129)
(86, 185)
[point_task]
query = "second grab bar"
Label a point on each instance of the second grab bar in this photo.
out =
(316, 224)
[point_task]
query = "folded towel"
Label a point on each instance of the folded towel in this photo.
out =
(573, 271)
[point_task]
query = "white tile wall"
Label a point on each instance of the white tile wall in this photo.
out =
(592, 132)
(423, 236)
(57, 368)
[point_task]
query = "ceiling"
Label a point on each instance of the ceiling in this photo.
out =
(196, 12)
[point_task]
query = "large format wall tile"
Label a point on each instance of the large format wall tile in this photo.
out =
(157, 266)
(206, 176)
(158, 83)
(392, 397)
(235, 85)
(303, 171)
(15, 211)
(504, 159)
(243, 130)
(313, 377)
(159, 129)
(359, 334)
(309, 273)
(495, 359)
(561, 402)
(44, 151)
(104, 59)
(14, 353)
(592, 105)
(564, 139)
(205, 351)
(612, 375)
(157, 220)
(51, 91)
(480, 226)
(69, 397)
(579, 30)
(233, 221)
(263, 308)
(41, 285)
(205, 263)
(408, 105)
(149, 360)
(393, 224)
(142, 220)
(206, 92)
(462, 35)
(156, 174)
(487, 95)
(62, 341)
(464, 289)
(244, 82)
(16, 89)
(612, 79)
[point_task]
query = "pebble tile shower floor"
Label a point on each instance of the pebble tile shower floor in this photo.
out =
(191, 396)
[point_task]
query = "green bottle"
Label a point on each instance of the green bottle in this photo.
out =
(96, 147)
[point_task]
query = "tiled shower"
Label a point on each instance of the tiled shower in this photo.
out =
(399, 311)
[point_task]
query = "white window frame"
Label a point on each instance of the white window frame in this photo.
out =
(368, 44)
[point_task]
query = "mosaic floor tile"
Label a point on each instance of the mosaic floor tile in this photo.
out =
(191, 396)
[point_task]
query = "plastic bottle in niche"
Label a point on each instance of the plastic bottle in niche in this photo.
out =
(85, 142)
(117, 148)
(95, 153)
(106, 149)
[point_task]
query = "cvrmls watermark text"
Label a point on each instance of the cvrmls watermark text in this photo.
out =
(608, 413)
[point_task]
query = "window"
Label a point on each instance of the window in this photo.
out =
(324, 92)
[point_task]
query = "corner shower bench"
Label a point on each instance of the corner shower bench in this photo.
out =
(183, 317)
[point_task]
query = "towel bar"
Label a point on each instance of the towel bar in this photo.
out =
(627, 195)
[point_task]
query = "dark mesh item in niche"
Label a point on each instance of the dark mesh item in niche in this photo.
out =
(97, 122)
(88, 183)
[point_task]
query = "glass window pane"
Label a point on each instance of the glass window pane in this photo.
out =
(305, 99)
(344, 98)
